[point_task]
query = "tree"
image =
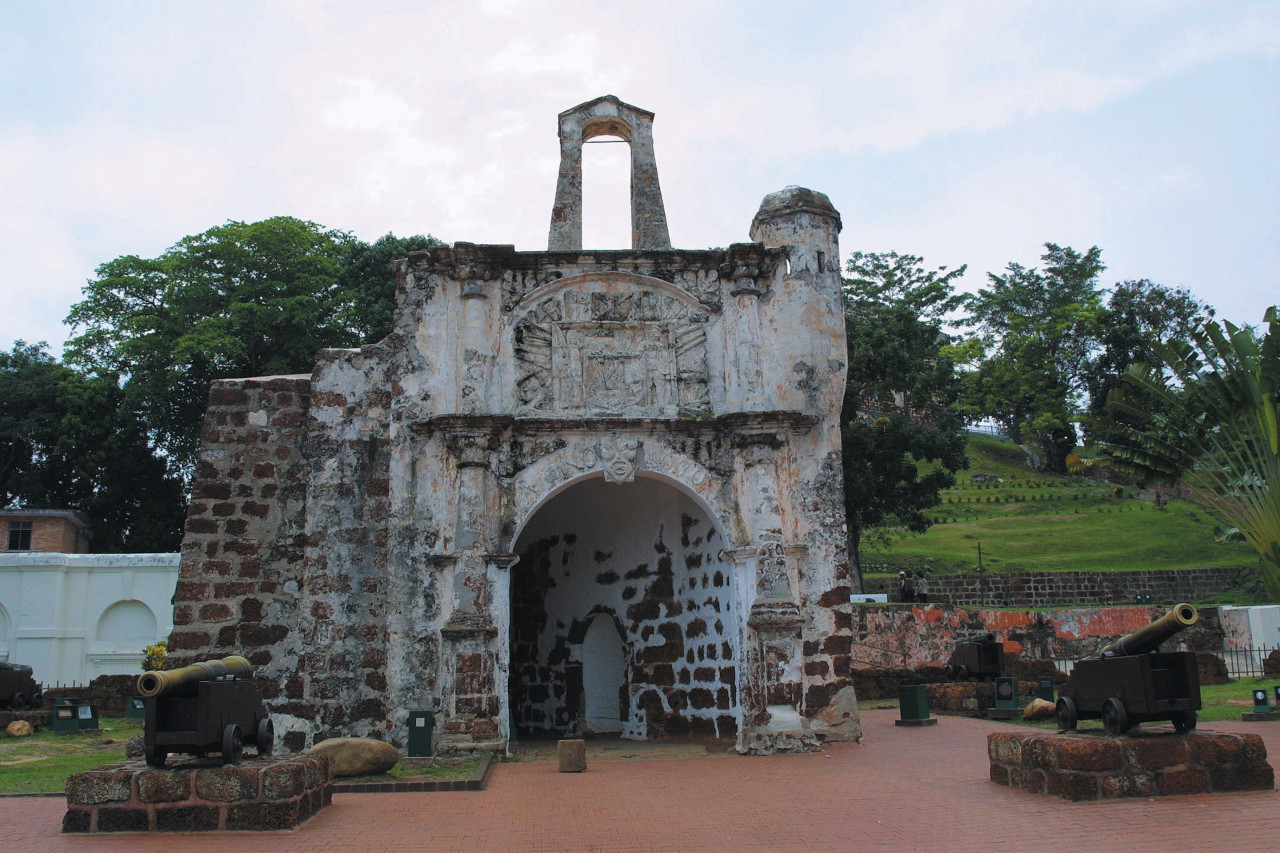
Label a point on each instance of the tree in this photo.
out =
(1215, 427)
(1040, 327)
(367, 277)
(241, 299)
(899, 406)
(1139, 315)
(887, 278)
(68, 441)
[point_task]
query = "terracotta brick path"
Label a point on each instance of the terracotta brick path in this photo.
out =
(905, 789)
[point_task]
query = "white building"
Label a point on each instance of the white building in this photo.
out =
(73, 617)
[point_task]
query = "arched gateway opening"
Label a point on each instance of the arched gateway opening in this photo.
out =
(623, 616)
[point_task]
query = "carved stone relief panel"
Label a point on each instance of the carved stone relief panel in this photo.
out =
(599, 354)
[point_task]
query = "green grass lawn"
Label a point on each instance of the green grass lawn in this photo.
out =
(43, 761)
(1034, 521)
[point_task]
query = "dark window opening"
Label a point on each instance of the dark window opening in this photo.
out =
(19, 536)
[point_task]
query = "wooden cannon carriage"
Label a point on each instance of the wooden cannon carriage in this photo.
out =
(207, 707)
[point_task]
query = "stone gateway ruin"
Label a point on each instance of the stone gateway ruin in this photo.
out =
(573, 491)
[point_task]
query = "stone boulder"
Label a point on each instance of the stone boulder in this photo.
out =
(1271, 665)
(1039, 709)
(19, 728)
(135, 746)
(357, 756)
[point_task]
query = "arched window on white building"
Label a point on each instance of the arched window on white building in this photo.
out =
(124, 630)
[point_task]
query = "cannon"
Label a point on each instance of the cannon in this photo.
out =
(18, 688)
(1130, 682)
(976, 656)
(213, 706)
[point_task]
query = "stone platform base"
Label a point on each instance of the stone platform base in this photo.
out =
(1004, 713)
(1147, 764)
(257, 794)
(1259, 717)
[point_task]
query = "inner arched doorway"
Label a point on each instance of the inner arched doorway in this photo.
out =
(639, 560)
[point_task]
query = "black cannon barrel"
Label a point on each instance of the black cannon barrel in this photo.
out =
(1148, 639)
(988, 637)
(157, 683)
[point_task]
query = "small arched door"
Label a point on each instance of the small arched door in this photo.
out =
(604, 674)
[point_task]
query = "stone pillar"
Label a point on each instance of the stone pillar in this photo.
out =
(608, 116)
(744, 347)
(475, 358)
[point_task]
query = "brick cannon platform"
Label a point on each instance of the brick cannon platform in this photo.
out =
(1154, 763)
(257, 794)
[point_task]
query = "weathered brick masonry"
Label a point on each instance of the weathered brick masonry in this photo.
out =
(572, 491)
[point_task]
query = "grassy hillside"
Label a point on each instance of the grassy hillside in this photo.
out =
(1035, 521)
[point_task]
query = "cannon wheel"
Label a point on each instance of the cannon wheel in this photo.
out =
(1184, 721)
(1114, 717)
(232, 747)
(1066, 712)
(37, 699)
(18, 702)
(155, 755)
(266, 739)
(962, 673)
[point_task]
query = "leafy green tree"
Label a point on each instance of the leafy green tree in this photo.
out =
(902, 436)
(1215, 426)
(367, 277)
(241, 299)
(887, 278)
(1040, 329)
(1139, 315)
(69, 441)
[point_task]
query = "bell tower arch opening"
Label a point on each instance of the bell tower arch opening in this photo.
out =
(623, 616)
(606, 178)
(608, 116)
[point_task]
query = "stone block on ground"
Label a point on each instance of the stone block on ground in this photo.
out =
(357, 756)
(572, 753)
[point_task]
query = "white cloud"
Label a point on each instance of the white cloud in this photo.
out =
(407, 117)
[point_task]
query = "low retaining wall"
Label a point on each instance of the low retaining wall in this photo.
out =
(109, 693)
(258, 794)
(1071, 589)
(912, 636)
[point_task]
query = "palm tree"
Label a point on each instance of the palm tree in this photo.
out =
(1207, 414)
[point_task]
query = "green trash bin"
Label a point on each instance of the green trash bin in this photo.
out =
(913, 706)
(1046, 688)
(421, 726)
(73, 715)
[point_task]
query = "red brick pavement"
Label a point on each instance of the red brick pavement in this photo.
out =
(904, 789)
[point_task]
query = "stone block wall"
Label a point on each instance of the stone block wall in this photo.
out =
(259, 794)
(1084, 767)
(1072, 589)
(109, 693)
(911, 637)
(243, 551)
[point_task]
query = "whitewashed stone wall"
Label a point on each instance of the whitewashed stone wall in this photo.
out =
(73, 617)
(377, 536)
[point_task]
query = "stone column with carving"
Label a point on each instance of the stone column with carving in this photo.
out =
(472, 662)
(475, 357)
(745, 272)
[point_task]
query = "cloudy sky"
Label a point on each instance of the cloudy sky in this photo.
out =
(966, 132)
